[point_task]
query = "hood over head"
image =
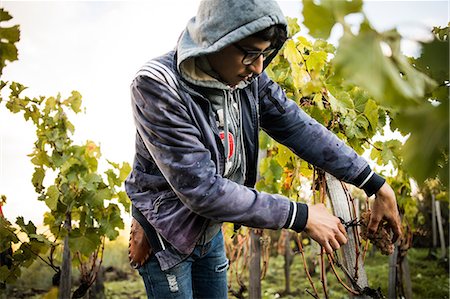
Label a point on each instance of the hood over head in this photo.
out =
(219, 23)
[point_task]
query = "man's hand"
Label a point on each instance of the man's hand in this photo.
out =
(385, 208)
(325, 228)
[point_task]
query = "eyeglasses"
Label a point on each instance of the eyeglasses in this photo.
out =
(251, 56)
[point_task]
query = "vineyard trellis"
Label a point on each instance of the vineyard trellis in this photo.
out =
(333, 86)
(321, 80)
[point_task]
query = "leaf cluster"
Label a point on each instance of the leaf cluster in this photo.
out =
(358, 88)
(415, 91)
(304, 69)
(8, 37)
(78, 187)
(93, 200)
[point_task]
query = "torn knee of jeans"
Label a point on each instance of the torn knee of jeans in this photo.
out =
(173, 284)
(222, 267)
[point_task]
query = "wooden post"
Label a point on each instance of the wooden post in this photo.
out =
(254, 288)
(288, 258)
(406, 278)
(433, 220)
(66, 267)
(440, 228)
(341, 209)
(392, 282)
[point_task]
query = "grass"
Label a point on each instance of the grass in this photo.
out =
(430, 279)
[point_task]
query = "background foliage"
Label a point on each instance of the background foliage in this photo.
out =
(84, 205)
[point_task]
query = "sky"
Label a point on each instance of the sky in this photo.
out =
(96, 47)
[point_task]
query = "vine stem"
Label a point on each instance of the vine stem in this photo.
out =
(366, 247)
(323, 273)
(322, 192)
(352, 210)
(330, 259)
(305, 266)
(373, 145)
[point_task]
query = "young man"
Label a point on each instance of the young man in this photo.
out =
(198, 111)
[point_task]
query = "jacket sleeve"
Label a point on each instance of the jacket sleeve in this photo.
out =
(174, 140)
(288, 124)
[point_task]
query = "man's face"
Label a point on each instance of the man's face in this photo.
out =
(228, 62)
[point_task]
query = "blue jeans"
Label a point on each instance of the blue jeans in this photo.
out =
(202, 275)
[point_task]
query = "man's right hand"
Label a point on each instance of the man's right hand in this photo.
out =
(325, 228)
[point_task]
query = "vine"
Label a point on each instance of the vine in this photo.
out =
(84, 205)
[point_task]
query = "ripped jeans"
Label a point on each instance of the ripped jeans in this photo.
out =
(202, 275)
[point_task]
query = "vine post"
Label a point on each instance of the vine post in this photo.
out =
(350, 258)
(66, 267)
(433, 221)
(440, 229)
(255, 264)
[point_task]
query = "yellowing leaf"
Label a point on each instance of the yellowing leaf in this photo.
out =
(316, 60)
(340, 104)
(291, 53)
(304, 43)
(124, 171)
(293, 26)
(38, 178)
(52, 196)
(74, 101)
(284, 155)
(318, 100)
(371, 112)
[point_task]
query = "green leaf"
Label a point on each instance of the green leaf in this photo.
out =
(85, 243)
(90, 181)
(38, 178)
(74, 101)
(320, 17)
(52, 196)
(4, 15)
(429, 127)
(11, 34)
(360, 98)
(40, 158)
(342, 103)
(435, 59)
(388, 151)
(124, 200)
(371, 112)
(9, 52)
(29, 228)
(111, 222)
(100, 196)
(392, 81)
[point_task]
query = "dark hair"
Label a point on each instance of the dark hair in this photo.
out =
(275, 34)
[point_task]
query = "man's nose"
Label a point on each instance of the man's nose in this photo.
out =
(257, 66)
